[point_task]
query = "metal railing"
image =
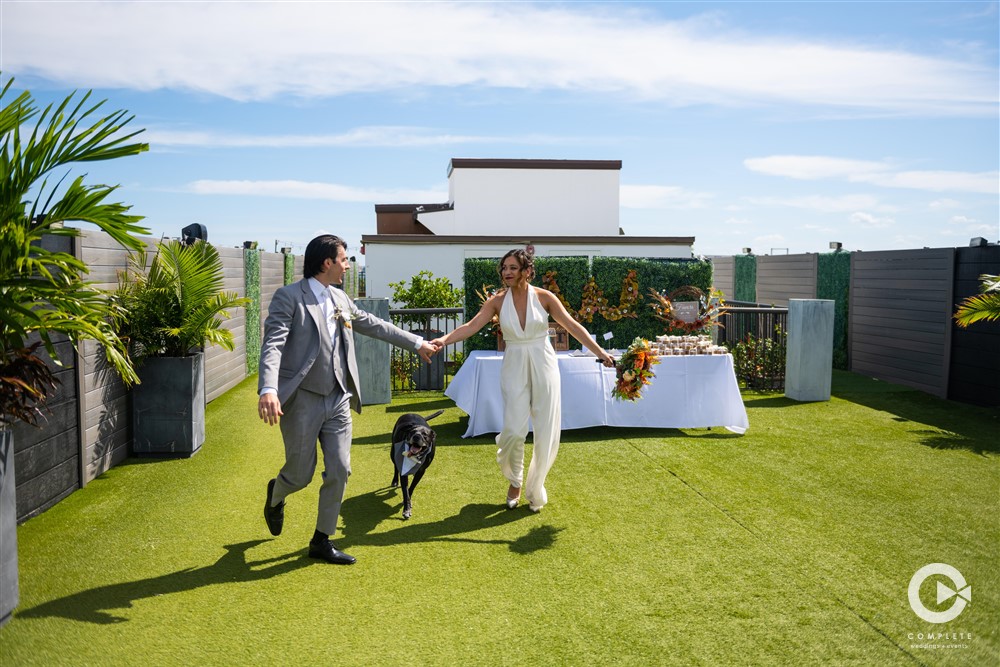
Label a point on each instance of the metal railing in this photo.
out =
(757, 338)
(407, 370)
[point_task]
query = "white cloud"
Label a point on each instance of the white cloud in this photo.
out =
(961, 220)
(961, 225)
(987, 182)
(661, 197)
(881, 173)
(390, 136)
(264, 50)
(811, 167)
(869, 220)
(944, 204)
(821, 204)
(737, 221)
(769, 238)
(819, 228)
(313, 190)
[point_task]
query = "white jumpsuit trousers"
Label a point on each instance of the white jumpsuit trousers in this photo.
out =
(529, 384)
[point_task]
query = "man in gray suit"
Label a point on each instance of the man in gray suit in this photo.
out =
(309, 378)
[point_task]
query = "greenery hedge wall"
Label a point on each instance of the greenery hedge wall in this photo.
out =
(745, 277)
(572, 274)
(289, 269)
(251, 274)
(833, 279)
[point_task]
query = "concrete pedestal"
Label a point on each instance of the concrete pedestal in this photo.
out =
(372, 356)
(9, 592)
(809, 359)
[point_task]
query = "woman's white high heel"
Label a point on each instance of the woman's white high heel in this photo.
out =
(512, 502)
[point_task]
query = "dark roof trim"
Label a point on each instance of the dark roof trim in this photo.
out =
(527, 240)
(412, 208)
(495, 163)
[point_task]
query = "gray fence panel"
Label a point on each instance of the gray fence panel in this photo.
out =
(224, 369)
(106, 429)
(724, 276)
(900, 324)
(784, 277)
(975, 350)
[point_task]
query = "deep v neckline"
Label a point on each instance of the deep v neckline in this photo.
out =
(527, 304)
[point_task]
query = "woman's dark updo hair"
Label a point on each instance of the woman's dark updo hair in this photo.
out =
(525, 260)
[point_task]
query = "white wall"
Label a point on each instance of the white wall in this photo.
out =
(392, 262)
(530, 201)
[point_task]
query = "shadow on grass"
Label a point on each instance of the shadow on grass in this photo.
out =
(448, 433)
(768, 401)
(95, 605)
(423, 407)
(953, 425)
(362, 514)
(600, 434)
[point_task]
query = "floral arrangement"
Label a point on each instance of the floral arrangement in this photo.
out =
(549, 283)
(627, 301)
(634, 370)
(593, 302)
(710, 308)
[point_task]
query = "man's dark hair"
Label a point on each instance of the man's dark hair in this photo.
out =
(318, 250)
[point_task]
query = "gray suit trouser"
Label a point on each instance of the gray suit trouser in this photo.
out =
(309, 416)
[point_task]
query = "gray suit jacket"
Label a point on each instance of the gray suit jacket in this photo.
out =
(292, 338)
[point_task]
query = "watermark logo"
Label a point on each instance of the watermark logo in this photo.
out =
(959, 590)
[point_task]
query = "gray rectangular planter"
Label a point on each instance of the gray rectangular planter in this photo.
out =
(168, 407)
(9, 592)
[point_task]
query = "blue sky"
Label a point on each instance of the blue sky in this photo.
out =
(781, 125)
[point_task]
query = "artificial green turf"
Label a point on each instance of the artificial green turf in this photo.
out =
(793, 544)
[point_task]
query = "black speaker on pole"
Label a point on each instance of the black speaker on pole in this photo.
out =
(194, 232)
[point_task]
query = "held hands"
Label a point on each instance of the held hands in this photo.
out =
(428, 350)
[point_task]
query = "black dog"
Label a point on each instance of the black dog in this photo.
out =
(412, 453)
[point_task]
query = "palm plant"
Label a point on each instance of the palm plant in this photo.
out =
(984, 306)
(175, 305)
(42, 291)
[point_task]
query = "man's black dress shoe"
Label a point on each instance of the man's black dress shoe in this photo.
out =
(275, 516)
(326, 551)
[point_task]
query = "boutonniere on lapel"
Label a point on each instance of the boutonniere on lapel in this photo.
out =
(344, 316)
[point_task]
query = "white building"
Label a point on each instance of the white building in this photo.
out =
(560, 207)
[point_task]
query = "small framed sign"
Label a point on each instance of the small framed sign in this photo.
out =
(686, 311)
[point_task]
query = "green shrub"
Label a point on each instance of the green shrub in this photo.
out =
(760, 362)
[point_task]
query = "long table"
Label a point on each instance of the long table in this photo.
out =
(688, 392)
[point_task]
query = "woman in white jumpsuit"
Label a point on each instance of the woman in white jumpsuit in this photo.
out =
(529, 375)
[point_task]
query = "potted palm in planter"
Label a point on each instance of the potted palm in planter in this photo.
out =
(170, 310)
(42, 290)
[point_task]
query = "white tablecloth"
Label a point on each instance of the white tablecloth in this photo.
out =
(688, 392)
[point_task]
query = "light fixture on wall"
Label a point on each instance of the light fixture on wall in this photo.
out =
(747, 251)
(836, 245)
(978, 242)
